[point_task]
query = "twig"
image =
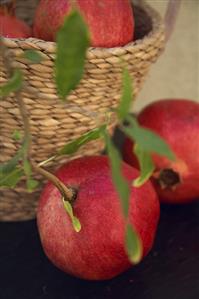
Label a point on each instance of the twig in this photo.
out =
(26, 123)
(6, 58)
(67, 193)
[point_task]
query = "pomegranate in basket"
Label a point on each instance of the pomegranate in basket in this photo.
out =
(10, 25)
(111, 23)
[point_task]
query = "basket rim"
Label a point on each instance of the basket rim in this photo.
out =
(50, 47)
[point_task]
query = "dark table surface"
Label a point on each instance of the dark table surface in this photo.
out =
(170, 271)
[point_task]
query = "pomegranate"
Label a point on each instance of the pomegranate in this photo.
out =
(97, 252)
(177, 121)
(111, 22)
(10, 25)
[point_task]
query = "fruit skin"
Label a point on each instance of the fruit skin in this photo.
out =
(12, 27)
(111, 22)
(177, 121)
(97, 251)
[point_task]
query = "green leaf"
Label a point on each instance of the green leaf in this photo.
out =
(9, 166)
(11, 178)
(127, 95)
(76, 224)
(119, 181)
(132, 242)
(32, 184)
(72, 43)
(75, 221)
(16, 135)
(27, 168)
(148, 140)
(10, 170)
(146, 166)
(133, 245)
(10, 173)
(33, 56)
(14, 84)
(74, 145)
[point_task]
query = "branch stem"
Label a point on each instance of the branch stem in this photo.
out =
(26, 124)
(66, 192)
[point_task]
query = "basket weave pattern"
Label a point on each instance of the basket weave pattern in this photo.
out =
(53, 123)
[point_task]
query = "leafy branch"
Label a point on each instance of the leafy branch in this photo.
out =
(69, 66)
(146, 143)
(11, 168)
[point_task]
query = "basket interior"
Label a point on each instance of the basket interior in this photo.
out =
(143, 23)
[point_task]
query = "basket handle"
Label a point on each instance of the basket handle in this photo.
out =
(171, 16)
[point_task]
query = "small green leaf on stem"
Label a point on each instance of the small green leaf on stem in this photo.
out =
(119, 181)
(16, 135)
(74, 145)
(75, 221)
(147, 140)
(11, 178)
(27, 168)
(133, 245)
(31, 184)
(127, 96)
(9, 166)
(14, 84)
(11, 171)
(76, 224)
(146, 166)
(72, 43)
(33, 56)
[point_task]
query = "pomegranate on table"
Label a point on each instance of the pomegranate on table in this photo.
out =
(97, 252)
(111, 23)
(177, 121)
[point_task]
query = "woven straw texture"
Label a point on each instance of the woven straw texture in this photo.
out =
(53, 123)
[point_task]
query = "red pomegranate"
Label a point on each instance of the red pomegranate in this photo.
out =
(177, 121)
(111, 22)
(97, 252)
(10, 25)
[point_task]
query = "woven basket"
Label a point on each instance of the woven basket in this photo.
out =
(53, 123)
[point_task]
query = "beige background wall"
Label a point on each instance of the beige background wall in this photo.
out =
(176, 74)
